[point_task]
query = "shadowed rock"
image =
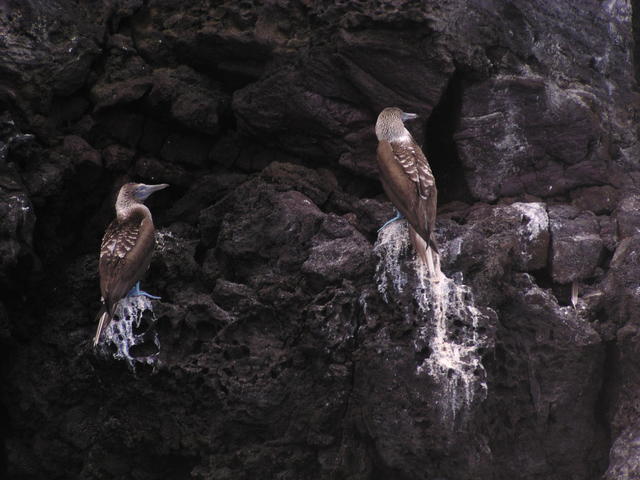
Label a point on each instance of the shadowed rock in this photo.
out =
(576, 245)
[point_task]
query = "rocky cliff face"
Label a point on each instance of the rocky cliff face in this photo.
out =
(295, 340)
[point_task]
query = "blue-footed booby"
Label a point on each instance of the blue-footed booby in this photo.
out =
(126, 250)
(407, 180)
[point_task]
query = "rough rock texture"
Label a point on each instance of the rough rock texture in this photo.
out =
(577, 244)
(296, 340)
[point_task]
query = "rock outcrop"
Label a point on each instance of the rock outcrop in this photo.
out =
(297, 341)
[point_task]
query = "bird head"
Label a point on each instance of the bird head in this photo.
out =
(142, 191)
(136, 193)
(390, 124)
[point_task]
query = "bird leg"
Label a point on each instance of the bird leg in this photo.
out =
(398, 216)
(136, 292)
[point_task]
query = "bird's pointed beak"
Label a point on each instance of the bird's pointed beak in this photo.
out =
(143, 191)
(408, 116)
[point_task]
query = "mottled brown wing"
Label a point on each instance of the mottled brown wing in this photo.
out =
(415, 165)
(398, 186)
(407, 181)
(125, 254)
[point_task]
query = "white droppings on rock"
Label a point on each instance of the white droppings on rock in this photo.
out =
(453, 249)
(448, 317)
(164, 240)
(127, 330)
(557, 96)
(392, 244)
(537, 219)
(454, 361)
(22, 202)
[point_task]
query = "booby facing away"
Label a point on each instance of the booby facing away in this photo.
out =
(407, 180)
(126, 249)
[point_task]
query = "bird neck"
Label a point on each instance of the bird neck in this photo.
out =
(392, 133)
(405, 137)
(127, 211)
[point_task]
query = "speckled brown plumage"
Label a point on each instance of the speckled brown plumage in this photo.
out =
(126, 250)
(407, 179)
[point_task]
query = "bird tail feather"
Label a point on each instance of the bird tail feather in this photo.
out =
(432, 243)
(105, 318)
(419, 245)
(427, 253)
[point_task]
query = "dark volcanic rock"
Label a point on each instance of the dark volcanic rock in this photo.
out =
(599, 200)
(317, 185)
(296, 340)
(338, 252)
(16, 232)
(619, 283)
(49, 48)
(495, 240)
(620, 289)
(190, 149)
(116, 157)
(576, 245)
(189, 98)
(80, 152)
(624, 456)
(627, 216)
(529, 123)
(202, 193)
(293, 235)
(16, 211)
(551, 414)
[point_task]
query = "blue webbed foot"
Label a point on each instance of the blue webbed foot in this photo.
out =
(145, 294)
(398, 216)
(136, 292)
